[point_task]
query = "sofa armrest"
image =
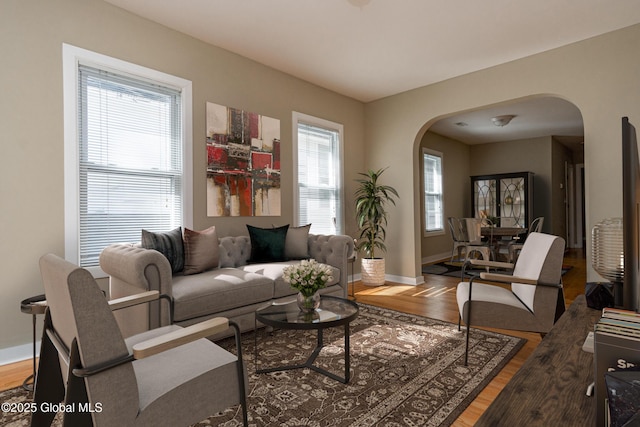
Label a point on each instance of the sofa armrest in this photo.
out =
(333, 250)
(133, 270)
(145, 269)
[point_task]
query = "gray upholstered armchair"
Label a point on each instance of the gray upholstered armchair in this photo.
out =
(535, 298)
(163, 377)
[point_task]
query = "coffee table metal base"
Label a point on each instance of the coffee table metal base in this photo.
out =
(310, 361)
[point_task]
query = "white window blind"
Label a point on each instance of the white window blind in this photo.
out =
(433, 210)
(130, 159)
(319, 179)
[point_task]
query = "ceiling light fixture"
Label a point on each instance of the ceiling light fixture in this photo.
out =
(502, 120)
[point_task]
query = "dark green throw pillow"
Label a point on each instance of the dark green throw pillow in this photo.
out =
(168, 244)
(267, 244)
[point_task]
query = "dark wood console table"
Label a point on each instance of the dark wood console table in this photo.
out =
(550, 387)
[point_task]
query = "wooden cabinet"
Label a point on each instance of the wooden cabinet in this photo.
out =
(505, 198)
(550, 387)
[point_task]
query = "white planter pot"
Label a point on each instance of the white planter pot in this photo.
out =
(372, 270)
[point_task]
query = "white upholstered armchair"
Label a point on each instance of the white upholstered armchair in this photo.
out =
(533, 301)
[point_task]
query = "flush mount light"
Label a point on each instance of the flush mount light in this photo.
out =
(502, 120)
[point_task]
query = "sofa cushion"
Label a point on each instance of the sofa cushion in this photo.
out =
(296, 244)
(201, 250)
(234, 251)
(168, 244)
(273, 271)
(267, 244)
(218, 290)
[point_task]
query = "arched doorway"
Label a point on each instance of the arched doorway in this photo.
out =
(545, 137)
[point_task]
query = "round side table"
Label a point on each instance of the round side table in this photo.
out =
(33, 306)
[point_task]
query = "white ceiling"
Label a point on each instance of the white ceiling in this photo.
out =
(534, 117)
(370, 49)
(386, 46)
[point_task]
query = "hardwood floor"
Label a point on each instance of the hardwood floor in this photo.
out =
(436, 299)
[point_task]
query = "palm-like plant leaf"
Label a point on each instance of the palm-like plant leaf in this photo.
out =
(371, 215)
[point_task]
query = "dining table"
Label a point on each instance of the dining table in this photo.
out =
(502, 231)
(501, 236)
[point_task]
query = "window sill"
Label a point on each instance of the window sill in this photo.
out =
(433, 233)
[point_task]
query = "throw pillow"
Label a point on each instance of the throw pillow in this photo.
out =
(168, 244)
(267, 244)
(296, 245)
(201, 250)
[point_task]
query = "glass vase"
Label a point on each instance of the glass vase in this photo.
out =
(308, 304)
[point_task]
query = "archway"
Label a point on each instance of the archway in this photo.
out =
(545, 137)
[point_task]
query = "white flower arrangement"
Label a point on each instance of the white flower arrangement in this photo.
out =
(308, 276)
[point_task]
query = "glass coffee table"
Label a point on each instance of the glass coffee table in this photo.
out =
(333, 312)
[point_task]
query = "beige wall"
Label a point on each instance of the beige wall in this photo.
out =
(542, 156)
(524, 155)
(600, 76)
(455, 182)
(31, 36)
(561, 158)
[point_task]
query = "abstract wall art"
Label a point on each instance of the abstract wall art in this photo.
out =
(243, 163)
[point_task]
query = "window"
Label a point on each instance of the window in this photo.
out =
(319, 199)
(433, 210)
(125, 142)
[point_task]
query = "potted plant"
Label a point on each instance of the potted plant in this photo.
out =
(371, 217)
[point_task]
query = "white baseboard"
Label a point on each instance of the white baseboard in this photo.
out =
(412, 281)
(354, 278)
(436, 258)
(18, 353)
(392, 278)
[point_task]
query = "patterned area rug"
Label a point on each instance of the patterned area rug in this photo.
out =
(406, 370)
(453, 269)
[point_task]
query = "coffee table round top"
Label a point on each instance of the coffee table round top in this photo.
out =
(333, 311)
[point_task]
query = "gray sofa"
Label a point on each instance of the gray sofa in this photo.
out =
(234, 289)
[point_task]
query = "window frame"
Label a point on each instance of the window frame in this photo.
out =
(72, 57)
(425, 231)
(301, 118)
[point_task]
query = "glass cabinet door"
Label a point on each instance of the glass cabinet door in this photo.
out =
(512, 199)
(484, 195)
(506, 199)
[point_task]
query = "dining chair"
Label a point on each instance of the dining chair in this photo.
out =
(459, 239)
(466, 234)
(473, 230)
(515, 246)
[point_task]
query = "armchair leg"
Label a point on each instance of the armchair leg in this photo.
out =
(466, 348)
(48, 384)
(241, 376)
(560, 305)
(76, 393)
